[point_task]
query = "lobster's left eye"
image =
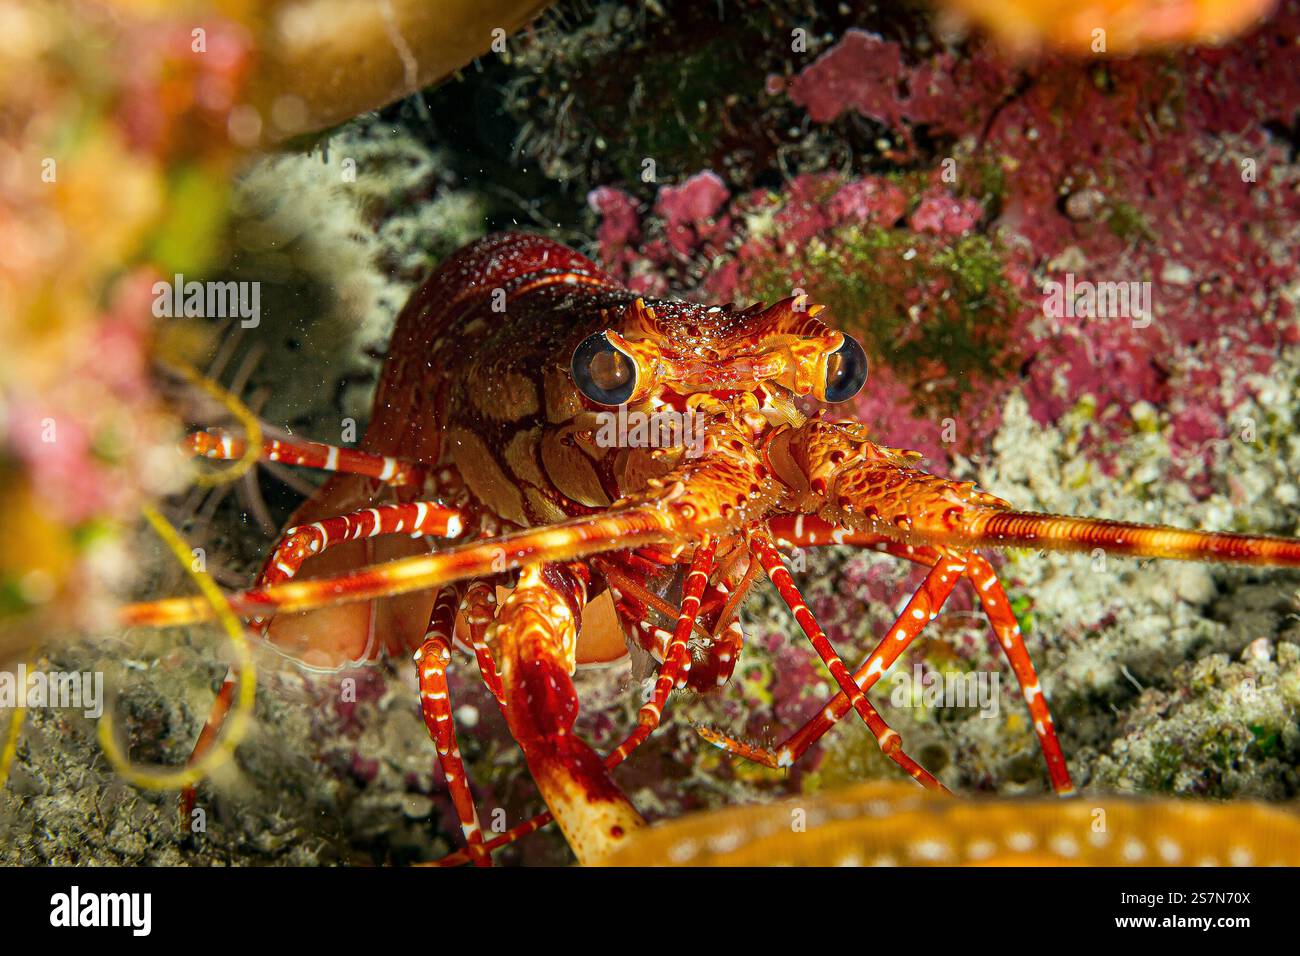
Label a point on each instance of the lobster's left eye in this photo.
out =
(604, 374)
(846, 371)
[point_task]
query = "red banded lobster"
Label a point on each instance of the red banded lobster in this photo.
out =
(503, 367)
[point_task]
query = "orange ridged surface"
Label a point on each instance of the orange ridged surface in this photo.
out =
(894, 824)
(1029, 530)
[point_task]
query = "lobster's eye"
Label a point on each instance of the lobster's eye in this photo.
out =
(603, 373)
(846, 371)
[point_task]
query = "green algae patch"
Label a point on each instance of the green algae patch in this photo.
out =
(936, 310)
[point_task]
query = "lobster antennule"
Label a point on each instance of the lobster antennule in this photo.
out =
(574, 539)
(1027, 529)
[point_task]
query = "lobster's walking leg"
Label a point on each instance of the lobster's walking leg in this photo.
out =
(888, 739)
(997, 608)
(431, 660)
(479, 607)
(920, 609)
(219, 445)
(634, 601)
(728, 635)
(534, 641)
(416, 518)
(677, 662)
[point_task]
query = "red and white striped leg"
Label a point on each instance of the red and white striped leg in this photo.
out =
(722, 642)
(461, 857)
(634, 600)
(677, 661)
(296, 545)
(479, 607)
(888, 739)
(997, 608)
(923, 606)
(581, 537)
(219, 445)
(802, 531)
(416, 518)
(727, 638)
(431, 660)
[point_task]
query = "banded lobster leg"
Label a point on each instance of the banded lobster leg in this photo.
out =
(431, 661)
(677, 660)
(580, 537)
(299, 543)
(888, 738)
(717, 626)
(397, 472)
(478, 605)
(946, 569)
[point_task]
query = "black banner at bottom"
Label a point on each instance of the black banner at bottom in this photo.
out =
(337, 907)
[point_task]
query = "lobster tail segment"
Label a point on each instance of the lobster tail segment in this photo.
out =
(1023, 529)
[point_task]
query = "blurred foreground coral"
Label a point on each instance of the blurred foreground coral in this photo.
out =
(1110, 26)
(122, 124)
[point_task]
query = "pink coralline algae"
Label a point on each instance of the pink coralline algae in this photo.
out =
(688, 211)
(866, 73)
(619, 222)
(871, 200)
(943, 213)
(1183, 212)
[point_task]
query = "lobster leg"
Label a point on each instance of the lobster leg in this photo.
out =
(677, 662)
(416, 518)
(728, 635)
(997, 607)
(888, 739)
(219, 445)
(435, 703)
(633, 602)
(479, 607)
(927, 600)
(534, 642)
(577, 538)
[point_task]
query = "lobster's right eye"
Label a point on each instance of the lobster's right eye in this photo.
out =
(604, 374)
